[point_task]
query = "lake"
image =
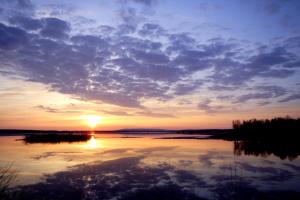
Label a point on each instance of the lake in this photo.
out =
(149, 166)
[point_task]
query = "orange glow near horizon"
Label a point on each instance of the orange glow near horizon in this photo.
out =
(22, 111)
(92, 120)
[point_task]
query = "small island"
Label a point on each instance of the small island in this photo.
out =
(57, 138)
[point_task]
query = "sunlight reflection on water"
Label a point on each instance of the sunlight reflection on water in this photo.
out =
(191, 162)
(93, 143)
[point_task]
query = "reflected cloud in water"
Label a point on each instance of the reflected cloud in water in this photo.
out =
(109, 166)
(126, 178)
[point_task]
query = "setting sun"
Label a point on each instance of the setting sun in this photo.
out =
(92, 120)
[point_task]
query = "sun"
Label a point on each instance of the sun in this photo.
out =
(92, 120)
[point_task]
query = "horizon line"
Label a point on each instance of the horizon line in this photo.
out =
(117, 130)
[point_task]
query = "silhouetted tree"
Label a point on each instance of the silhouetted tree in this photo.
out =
(267, 128)
(277, 136)
(236, 124)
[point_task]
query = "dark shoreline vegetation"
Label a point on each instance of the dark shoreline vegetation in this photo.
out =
(56, 138)
(277, 136)
(265, 129)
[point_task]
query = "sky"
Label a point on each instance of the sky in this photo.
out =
(168, 64)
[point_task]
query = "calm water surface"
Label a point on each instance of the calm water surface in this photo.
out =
(115, 166)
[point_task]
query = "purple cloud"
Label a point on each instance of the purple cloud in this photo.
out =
(137, 59)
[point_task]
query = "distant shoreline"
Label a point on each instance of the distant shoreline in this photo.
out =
(17, 132)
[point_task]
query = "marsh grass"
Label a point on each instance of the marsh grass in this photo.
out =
(233, 187)
(7, 177)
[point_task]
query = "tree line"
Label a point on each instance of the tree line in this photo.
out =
(279, 127)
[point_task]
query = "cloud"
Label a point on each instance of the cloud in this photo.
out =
(47, 109)
(149, 57)
(116, 113)
(247, 97)
(206, 106)
(7, 73)
(146, 2)
(55, 28)
(187, 87)
(146, 113)
(154, 114)
(290, 98)
(129, 20)
(11, 8)
(152, 30)
(55, 110)
(11, 37)
(270, 64)
(265, 92)
(294, 64)
(263, 103)
(26, 22)
(142, 2)
(17, 4)
(135, 60)
(217, 87)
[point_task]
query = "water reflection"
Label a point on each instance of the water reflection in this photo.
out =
(144, 167)
(120, 179)
(93, 143)
(127, 179)
(283, 149)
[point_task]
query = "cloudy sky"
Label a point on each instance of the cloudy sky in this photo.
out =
(147, 63)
